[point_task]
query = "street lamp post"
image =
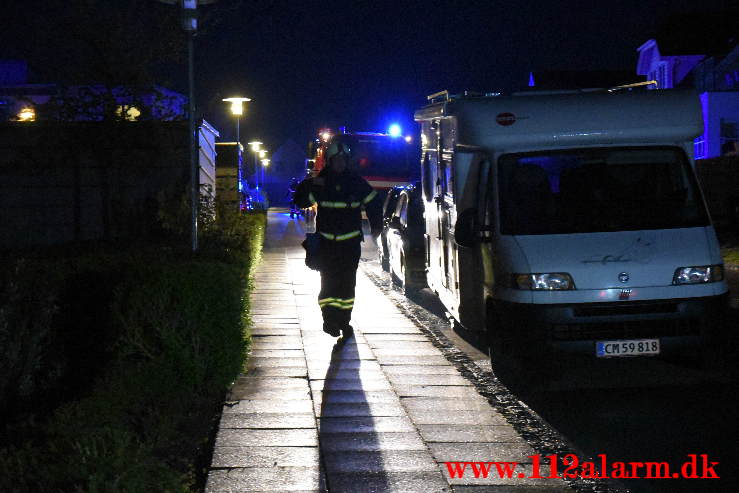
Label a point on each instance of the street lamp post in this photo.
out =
(255, 146)
(190, 25)
(265, 162)
(237, 109)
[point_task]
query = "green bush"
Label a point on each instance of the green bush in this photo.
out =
(178, 338)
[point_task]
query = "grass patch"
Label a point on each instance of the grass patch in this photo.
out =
(164, 334)
(729, 240)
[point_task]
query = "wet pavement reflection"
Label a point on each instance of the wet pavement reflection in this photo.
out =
(381, 412)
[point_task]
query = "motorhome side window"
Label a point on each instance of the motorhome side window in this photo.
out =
(595, 190)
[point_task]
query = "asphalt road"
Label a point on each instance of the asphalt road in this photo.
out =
(635, 409)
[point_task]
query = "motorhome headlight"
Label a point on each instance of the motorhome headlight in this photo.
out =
(699, 274)
(556, 281)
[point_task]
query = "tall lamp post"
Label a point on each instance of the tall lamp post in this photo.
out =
(255, 147)
(237, 109)
(263, 159)
(190, 25)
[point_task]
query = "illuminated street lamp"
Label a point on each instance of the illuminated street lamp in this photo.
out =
(265, 163)
(237, 109)
(190, 26)
(27, 114)
(255, 147)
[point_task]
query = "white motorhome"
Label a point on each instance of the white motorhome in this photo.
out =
(570, 221)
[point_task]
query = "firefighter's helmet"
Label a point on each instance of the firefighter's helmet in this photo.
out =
(337, 148)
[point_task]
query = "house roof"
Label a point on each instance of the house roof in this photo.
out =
(698, 34)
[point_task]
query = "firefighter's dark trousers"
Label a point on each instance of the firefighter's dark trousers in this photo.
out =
(339, 261)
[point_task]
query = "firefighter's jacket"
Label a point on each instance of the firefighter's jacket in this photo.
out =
(340, 198)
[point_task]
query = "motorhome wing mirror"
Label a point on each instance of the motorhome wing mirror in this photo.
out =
(466, 228)
(395, 223)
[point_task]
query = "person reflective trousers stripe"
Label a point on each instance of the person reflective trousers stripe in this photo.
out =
(345, 236)
(341, 304)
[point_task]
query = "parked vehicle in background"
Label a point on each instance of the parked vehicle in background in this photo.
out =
(405, 240)
(388, 208)
(571, 223)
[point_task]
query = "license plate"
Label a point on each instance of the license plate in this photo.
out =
(627, 347)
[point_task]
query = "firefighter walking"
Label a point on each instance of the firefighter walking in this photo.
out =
(340, 194)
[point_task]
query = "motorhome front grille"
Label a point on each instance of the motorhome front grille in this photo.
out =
(634, 329)
(624, 309)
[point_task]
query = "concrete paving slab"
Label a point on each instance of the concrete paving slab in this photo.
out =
(272, 383)
(380, 340)
(362, 373)
(435, 391)
(490, 451)
(333, 442)
(278, 371)
(356, 396)
(446, 380)
(266, 457)
(349, 384)
(434, 360)
(255, 361)
(390, 330)
(389, 482)
(419, 370)
(265, 324)
(324, 360)
(448, 405)
(257, 345)
(407, 347)
(296, 339)
(277, 353)
(271, 479)
(327, 409)
(267, 420)
(435, 417)
(229, 437)
(274, 332)
(376, 424)
(468, 433)
(380, 461)
(245, 393)
(282, 313)
(270, 406)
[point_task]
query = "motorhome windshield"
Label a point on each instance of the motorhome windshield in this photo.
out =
(594, 190)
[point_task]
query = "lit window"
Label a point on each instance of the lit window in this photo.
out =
(27, 114)
(129, 113)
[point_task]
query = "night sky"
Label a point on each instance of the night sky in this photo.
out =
(365, 64)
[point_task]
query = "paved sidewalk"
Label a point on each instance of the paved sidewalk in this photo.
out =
(379, 414)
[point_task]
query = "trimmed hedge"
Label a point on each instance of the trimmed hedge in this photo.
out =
(169, 341)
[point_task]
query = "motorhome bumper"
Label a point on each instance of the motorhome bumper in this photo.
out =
(575, 327)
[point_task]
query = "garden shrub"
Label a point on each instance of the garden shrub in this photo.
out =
(173, 334)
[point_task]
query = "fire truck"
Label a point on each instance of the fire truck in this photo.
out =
(385, 160)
